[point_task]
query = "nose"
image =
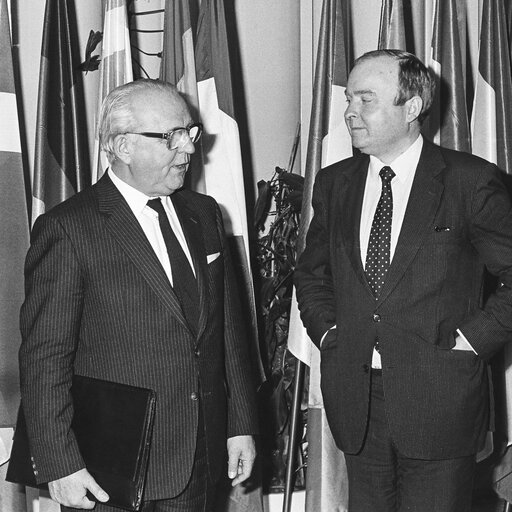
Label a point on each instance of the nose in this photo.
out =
(350, 111)
(188, 146)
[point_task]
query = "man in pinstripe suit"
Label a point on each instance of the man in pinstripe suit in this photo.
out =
(101, 301)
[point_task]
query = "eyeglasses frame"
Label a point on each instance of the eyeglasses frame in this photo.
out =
(167, 136)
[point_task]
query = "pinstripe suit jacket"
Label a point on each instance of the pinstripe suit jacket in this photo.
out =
(98, 303)
(458, 221)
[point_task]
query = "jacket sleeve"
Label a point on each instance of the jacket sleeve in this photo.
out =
(313, 276)
(49, 321)
(490, 231)
(242, 415)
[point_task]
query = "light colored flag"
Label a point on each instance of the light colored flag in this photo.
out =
(14, 231)
(491, 132)
(61, 166)
(115, 67)
(328, 142)
(447, 124)
(392, 27)
(223, 176)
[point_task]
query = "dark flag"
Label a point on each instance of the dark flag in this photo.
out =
(448, 122)
(392, 28)
(61, 166)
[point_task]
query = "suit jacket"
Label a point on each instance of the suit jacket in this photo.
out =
(98, 303)
(457, 222)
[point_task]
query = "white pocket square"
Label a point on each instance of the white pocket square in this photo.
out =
(212, 257)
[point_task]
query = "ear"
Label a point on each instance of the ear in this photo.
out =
(413, 108)
(122, 148)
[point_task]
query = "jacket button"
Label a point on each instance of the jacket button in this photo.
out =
(376, 317)
(197, 352)
(366, 368)
(194, 396)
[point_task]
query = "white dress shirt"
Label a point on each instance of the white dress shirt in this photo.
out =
(404, 168)
(148, 220)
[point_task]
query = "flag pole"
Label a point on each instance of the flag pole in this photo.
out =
(293, 439)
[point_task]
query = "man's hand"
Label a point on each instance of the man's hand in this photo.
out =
(241, 453)
(71, 490)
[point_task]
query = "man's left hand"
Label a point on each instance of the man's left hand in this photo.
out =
(241, 453)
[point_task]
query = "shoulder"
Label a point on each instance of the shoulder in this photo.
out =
(78, 207)
(459, 161)
(342, 170)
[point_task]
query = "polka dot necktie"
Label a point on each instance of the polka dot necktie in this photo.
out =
(379, 245)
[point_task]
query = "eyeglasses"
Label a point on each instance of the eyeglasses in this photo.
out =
(177, 137)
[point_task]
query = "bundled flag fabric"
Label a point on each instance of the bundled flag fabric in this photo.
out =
(491, 131)
(61, 166)
(392, 27)
(448, 123)
(179, 67)
(116, 64)
(13, 231)
(328, 142)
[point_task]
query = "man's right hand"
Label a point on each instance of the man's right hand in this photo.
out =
(71, 490)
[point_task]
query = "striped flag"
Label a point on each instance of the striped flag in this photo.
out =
(13, 231)
(61, 166)
(223, 171)
(491, 121)
(328, 142)
(115, 67)
(392, 27)
(491, 131)
(448, 122)
(178, 66)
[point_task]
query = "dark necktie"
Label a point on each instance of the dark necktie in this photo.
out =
(183, 279)
(379, 245)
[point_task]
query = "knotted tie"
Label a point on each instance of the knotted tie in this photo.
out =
(379, 245)
(183, 279)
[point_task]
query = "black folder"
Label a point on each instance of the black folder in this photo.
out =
(112, 424)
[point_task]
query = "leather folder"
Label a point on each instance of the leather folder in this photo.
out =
(112, 424)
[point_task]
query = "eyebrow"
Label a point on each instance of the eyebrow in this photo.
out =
(360, 92)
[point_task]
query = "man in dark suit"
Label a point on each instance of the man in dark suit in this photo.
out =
(105, 299)
(390, 288)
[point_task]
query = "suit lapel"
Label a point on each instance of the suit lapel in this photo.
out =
(125, 229)
(426, 192)
(350, 201)
(194, 236)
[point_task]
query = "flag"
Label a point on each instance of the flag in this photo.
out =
(223, 176)
(392, 27)
(14, 231)
(115, 67)
(178, 66)
(491, 121)
(328, 142)
(491, 131)
(61, 166)
(448, 122)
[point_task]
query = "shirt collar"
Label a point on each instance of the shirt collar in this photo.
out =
(404, 166)
(136, 200)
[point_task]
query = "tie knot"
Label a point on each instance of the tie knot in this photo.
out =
(386, 174)
(156, 204)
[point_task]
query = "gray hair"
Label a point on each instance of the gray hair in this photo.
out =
(116, 114)
(414, 78)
